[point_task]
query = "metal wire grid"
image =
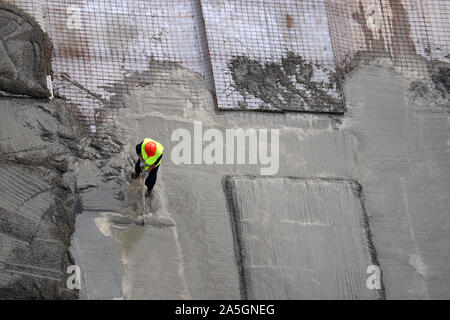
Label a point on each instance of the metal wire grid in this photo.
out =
(412, 34)
(99, 43)
(265, 31)
(437, 16)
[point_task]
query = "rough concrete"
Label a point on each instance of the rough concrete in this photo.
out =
(441, 77)
(393, 141)
(38, 146)
(25, 54)
(249, 43)
(404, 144)
(293, 84)
(390, 141)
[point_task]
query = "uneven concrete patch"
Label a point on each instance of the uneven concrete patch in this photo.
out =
(100, 179)
(382, 138)
(294, 84)
(25, 54)
(301, 238)
(403, 140)
(38, 144)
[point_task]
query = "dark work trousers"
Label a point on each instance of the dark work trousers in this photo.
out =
(151, 179)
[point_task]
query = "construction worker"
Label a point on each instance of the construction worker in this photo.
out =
(149, 152)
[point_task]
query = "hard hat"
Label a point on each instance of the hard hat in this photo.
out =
(150, 148)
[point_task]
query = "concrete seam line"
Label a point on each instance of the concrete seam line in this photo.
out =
(235, 228)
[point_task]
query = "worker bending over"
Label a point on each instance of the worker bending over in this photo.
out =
(150, 153)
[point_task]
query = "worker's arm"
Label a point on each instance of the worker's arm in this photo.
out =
(138, 150)
(154, 164)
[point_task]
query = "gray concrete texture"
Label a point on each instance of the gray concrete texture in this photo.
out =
(37, 207)
(284, 240)
(375, 179)
(394, 141)
(280, 60)
(25, 54)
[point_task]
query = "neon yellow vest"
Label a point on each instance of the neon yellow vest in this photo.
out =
(151, 160)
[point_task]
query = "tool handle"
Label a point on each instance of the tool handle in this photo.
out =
(143, 198)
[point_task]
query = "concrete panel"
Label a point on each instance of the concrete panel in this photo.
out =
(383, 138)
(301, 238)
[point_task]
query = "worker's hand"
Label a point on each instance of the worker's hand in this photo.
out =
(145, 174)
(142, 164)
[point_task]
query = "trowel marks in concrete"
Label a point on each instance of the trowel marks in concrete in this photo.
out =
(301, 238)
(294, 84)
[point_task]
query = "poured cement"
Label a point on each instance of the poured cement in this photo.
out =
(405, 176)
(395, 148)
(292, 84)
(284, 240)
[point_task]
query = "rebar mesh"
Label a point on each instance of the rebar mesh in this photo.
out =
(99, 43)
(267, 34)
(411, 34)
(104, 48)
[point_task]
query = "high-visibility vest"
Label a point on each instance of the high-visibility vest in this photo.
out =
(151, 160)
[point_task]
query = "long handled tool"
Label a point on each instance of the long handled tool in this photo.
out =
(143, 200)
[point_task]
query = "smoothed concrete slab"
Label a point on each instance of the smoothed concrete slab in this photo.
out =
(301, 238)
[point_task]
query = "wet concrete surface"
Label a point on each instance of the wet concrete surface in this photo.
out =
(292, 84)
(390, 145)
(405, 177)
(38, 147)
(284, 240)
(25, 54)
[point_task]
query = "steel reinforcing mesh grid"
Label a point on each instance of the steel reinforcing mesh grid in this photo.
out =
(266, 32)
(102, 49)
(412, 34)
